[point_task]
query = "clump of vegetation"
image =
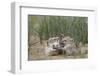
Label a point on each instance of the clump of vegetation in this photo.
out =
(50, 26)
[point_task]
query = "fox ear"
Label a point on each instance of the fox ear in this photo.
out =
(53, 46)
(47, 43)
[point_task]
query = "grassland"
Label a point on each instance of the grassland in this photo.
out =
(41, 28)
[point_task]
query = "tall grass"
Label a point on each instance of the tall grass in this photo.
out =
(51, 26)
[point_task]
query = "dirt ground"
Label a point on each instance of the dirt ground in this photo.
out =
(43, 57)
(36, 52)
(33, 55)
